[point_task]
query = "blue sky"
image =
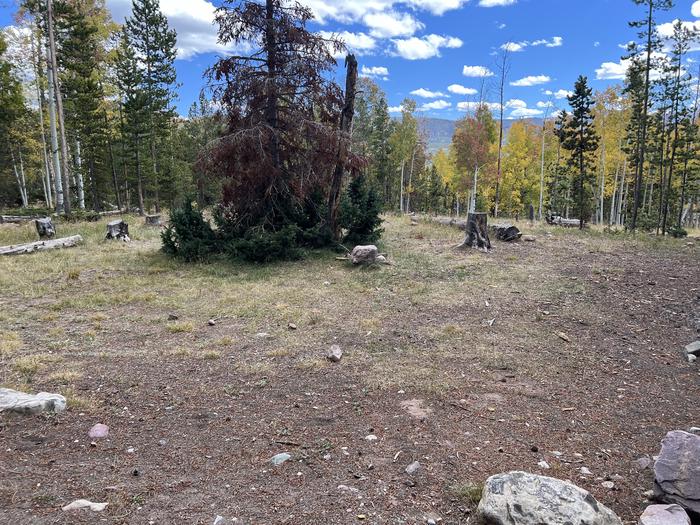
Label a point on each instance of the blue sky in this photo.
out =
(438, 51)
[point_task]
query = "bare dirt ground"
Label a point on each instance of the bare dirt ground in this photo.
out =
(457, 360)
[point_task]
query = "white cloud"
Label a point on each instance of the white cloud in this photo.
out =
(425, 93)
(350, 11)
(502, 26)
(496, 3)
(516, 103)
(473, 106)
(375, 72)
(559, 94)
(514, 47)
(612, 70)
(193, 20)
(428, 46)
(458, 89)
(596, 44)
(359, 43)
(556, 41)
(395, 109)
(435, 105)
(532, 80)
(477, 71)
(392, 24)
(543, 105)
(525, 112)
(695, 9)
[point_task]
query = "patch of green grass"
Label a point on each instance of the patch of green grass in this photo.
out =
(469, 493)
(10, 342)
(181, 327)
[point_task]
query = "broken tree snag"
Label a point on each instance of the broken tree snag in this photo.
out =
(506, 232)
(53, 244)
(118, 230)
(477, 232)
(152, 220)
(45, 228)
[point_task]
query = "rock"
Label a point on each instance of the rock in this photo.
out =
(664, 515)
(335, 354)
(364, 254)
(529, 238)
(211, 322)
(14, 401)
(643, 462)
(608, 485)
(371, 437)
(99, 431)
(412, 468)
(220, 520)
(693, 348)
(692, 358)
(85, 504)
(677, 470)
(292, 326)
(280, 458)
(519, 498)
(694, 430)
(381, 259)
(585, 471)
(543, 464)
(173, 317)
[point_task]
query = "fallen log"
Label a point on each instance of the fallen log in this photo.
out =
(477, 232)
(17, 219)
(118, 230)
(110, 213)
(53, 244)
(506, 232)
(556, 220)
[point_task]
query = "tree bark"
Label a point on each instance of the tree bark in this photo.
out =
(345, 129)
(477, 232)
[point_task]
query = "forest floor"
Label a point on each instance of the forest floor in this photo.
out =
(568, 350)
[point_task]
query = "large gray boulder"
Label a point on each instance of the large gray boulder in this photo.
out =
(14, 401)
(677, 471)
(364, 254)
(664, 515)
(519, 498)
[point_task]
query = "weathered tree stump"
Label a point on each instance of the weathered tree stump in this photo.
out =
(152, 220)
(477, 232)
(506, 232)
(53, 244)
(45, 228)
(118, 230)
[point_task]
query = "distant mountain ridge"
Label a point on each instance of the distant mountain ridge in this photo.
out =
(439, 131)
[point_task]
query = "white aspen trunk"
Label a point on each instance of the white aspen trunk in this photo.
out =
(472, 202)
(403, 163)
(22, 189)
(46, 182)
(613, 199)
(58, 179)
(79, 176)
(539, 209)
(458, 210)
(651, 196)
(602, 190)
(410, 182)
(25, 196)
(59, 108)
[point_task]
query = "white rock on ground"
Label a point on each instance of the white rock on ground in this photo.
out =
(335, 354)
(14, 401)
(664, 515)
(519, 498)
(85, 504)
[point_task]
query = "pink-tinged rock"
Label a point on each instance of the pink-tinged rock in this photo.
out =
(664, 515)
(99, 431)
(677, 471)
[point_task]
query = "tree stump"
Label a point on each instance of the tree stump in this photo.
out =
(118, 230)
(506, 232)
(477, 232)
(45, 228)
(152, 220)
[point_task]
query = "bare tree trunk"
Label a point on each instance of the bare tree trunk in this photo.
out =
(541, 202)
(21, 184)
(401, 208)
(410, 181)
(138, 177)
(645, 112)
(59, 110)
(504, 73)
(345, 129)
(46, 179)
(79, 175)
(58, 179)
